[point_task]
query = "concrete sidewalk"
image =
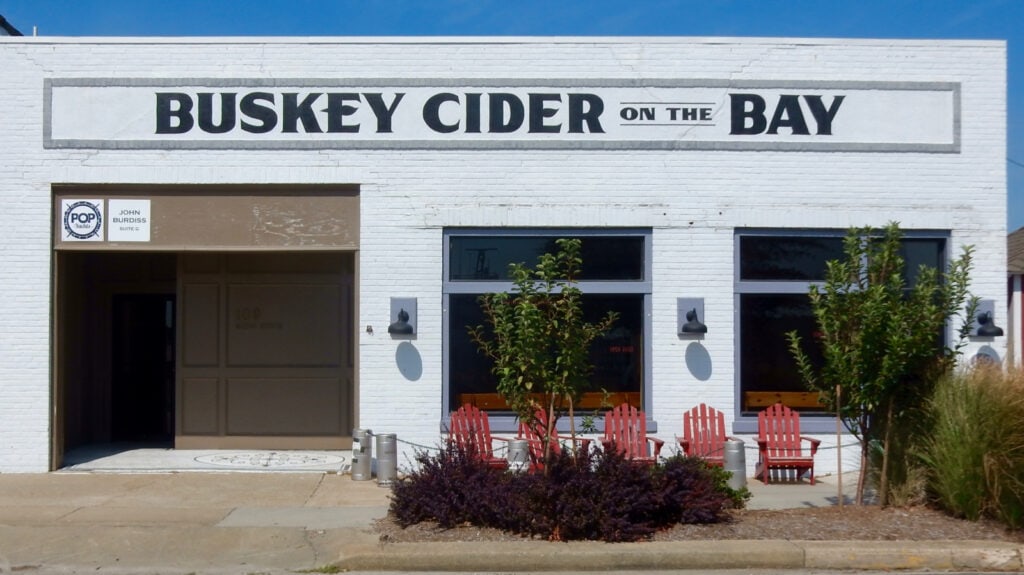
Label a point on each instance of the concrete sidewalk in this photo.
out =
(279, 522)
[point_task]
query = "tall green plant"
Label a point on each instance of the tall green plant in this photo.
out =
(975, 451)
(539, 340)
(880, 338)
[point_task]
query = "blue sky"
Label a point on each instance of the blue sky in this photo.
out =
(952, 19)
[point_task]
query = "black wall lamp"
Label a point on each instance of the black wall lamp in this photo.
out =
(689, 312)
(693, 325)
(984, 321)
(403, 316)
(987, 327)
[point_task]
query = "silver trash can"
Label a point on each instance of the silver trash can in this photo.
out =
(518, 455)
(362, 455)
(387, 459)
(736, 462)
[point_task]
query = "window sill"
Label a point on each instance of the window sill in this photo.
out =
(509, 425)
(809, 424)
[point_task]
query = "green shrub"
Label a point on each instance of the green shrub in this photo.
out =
(737, 497)
(595, 496)
(976, 448)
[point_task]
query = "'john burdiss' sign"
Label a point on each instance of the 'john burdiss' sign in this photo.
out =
(582, 114)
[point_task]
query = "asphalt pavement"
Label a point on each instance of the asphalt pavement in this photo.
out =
(265, 519)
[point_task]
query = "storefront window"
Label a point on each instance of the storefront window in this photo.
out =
(775, 275)
(615, 277)
(482, 258)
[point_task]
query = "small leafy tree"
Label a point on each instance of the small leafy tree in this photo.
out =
(539, 340)
(880, 339)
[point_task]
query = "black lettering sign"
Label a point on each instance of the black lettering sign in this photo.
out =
(263, 112)
(822, 115)
(539, 112)
(337, 109)
(499, 104)
(382, 111)
(227, 113)
(173, 113)
(749, 118)
(432, 113)
(294, 112)
(746, 107)
(473, 113)
(585, 109)
(251, 107)
(788, 115)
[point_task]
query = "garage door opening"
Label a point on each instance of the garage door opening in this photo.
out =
(204, 316)
(198, 350)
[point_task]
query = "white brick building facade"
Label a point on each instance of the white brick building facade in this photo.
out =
(690, 199)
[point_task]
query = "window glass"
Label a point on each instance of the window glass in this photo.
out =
(617, 357)
(929, 252)
(787, 258)
(768, 311)
(613, 278)
(488, 258)
(766, 365)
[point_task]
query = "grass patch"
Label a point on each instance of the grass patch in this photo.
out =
(976, 448)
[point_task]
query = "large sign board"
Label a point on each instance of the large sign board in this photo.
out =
(502, 114)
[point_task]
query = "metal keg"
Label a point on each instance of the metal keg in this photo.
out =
(736, 462)
(518, 455)
(362, 455)
(387, 459)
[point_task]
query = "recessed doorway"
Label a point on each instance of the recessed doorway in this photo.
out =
(142, 382)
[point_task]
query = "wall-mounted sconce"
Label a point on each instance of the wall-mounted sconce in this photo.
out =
(689, 311)
(984, 322)
(693, 324)
(403, 315)
(401, 325)
(987, 327)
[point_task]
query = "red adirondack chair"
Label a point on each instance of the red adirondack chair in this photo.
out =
(537, 444)
(471, 431)
(625, 429)
(704, 434)
(779, 443)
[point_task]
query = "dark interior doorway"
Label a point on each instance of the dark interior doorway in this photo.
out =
(142, 394)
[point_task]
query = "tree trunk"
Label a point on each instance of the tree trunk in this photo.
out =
(572, 430)
(862, 474)
(883, 486)
(839, 446)
(546, 436)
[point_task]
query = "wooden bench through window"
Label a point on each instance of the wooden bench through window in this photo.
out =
(590, 400)
(757, 400)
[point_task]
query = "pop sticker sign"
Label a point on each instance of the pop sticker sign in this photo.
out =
(82, 220)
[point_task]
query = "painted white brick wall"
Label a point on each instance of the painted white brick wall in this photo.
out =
(693, 200)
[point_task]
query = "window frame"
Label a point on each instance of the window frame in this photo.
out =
(810, 422)
(506, 423)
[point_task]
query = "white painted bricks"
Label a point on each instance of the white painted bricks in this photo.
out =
(693, 200)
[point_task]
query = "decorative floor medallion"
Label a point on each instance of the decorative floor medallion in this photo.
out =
(272, 459)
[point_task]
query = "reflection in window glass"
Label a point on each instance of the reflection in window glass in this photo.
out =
(766, 364)
(615, 277)
(617, 357)
(488, 258)
(768, 311)
(787, 258)
(921, 252)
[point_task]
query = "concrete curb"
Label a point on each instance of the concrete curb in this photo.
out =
(529, 556)
(931, 555)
